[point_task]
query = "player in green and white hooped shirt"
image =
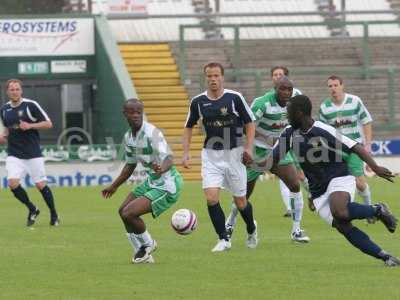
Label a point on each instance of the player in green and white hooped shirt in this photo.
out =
(271, 119)
(348, 114)
(276, 73)
(145, 144)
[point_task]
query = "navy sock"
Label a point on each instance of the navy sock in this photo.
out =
(48, 198)
(362, 241)
(247, 215)
(217, 217)
(360, 211)
(22, 196)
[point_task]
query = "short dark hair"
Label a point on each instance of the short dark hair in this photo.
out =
(13, 80)
(283, 68)
(133, 100)
(301, 103)
(335, 77)
(214, 64)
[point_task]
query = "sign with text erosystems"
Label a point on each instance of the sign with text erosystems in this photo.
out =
(46, 37)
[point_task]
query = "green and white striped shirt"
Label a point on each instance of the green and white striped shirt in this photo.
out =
(271, 118)
(347, 117)
(148, 146)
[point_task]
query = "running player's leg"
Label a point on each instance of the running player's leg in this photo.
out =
(287, 173)
(252, 176)
(16, 169)
(131, 211)
(344, 211)
(37, 172)
(213, 174)
(285, 194)
(356, 168)
(232, 217)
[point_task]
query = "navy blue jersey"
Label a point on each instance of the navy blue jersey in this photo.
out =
(320, 152)
(223, 119)
(23, 144)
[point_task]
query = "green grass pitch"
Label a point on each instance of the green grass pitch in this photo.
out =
(88, 256)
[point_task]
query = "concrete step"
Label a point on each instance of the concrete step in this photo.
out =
(160, 89)
(149, 61)
(155, 75)
(156, 82)
(165, 96)
(143, 47)
(164, 103)
(152, 68)
(150, 54)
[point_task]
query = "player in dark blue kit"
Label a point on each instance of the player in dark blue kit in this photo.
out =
(22, 118)
(224, 115)
(320, 150)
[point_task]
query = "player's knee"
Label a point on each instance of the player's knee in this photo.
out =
(13, 184)
(40, 185)
(126, 214)
(241, 203)
(294, 187)
(212, 201)
(340, 214)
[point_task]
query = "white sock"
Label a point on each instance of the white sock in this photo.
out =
(306, 186)
(297, 209)
(133, 241)
(231, 220)
(285, 192)
(144, 238)
(366, 195)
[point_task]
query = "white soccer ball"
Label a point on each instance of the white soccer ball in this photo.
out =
(184, 221)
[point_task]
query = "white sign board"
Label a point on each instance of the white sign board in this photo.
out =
(46, 37)
(127, 6)
(80, 174)
(68, 66)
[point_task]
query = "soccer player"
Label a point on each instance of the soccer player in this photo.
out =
(145, 144)
(22, 118)
(319, 148)
(348, 114)
(276, 73)
(224, 114)
(270, 112)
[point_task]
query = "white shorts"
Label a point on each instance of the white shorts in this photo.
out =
(338, 184)
(17, 168)
(224, 169)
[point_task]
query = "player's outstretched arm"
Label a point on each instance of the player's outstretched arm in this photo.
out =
(126, 172)
(186, 139)
(378, 170)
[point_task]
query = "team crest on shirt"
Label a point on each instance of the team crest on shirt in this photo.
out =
(316, 142)
(224, 111)
(20, 113)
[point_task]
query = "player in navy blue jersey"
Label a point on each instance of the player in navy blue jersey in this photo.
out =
(225, 114)
(22, 118)
(321, 150)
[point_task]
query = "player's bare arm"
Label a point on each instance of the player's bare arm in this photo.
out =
(167, 163)
(378, 170)
(367, 129)
(126, 172)
(250, 129)
(186, 139)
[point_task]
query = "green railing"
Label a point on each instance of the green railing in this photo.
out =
(374, 72)
(366, 56)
